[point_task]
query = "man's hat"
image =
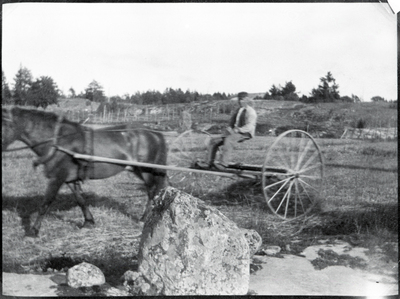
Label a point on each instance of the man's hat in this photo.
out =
(242, 94)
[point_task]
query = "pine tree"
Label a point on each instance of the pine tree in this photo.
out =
(327, 91)
(94, 92)
(6, 97)
(23, 82)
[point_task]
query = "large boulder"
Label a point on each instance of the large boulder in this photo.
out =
(189, 248)
(85, 275)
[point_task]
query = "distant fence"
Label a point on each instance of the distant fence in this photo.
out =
(205, 112)
(389, 133)
(208, 112)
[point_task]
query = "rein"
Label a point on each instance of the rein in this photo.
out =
(26, 147)
(54, 139)
(52, 151)
(48, 140)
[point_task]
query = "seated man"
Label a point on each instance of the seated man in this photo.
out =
(242, 127)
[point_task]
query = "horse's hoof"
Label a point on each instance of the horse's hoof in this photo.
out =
(88, 224)
(32, 233)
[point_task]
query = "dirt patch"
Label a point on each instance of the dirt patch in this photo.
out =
(331, 258)
(327, 268)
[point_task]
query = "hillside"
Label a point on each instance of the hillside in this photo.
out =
(327, 120)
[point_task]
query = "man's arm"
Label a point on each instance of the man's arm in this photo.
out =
(232, 121)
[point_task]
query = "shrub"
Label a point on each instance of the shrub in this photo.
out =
(361, 124)
(291, 97)
(393, 105)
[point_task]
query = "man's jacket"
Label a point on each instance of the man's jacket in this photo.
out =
(246, 122)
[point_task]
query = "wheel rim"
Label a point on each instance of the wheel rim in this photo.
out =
(184, 151)
(292, 174)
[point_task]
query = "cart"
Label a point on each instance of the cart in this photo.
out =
(290, 167)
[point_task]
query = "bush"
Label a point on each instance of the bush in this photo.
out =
(393, 105)
(263, 129)
(346, 99)
(361, 124)
(227, 108)
(291, 97)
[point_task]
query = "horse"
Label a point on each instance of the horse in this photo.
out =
(43, 132)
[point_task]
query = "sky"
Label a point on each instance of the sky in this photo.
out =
(204, 47)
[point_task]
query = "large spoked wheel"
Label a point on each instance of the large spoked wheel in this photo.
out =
(184, 151)
(292, 174)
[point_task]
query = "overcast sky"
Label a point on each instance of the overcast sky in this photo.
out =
(214, 47)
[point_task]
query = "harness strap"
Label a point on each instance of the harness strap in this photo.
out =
(52, 150)
(10, 115)
(89, 138)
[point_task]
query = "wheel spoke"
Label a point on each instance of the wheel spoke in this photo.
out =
(311, 177)
(276, 193)
(282, 201)
(298, 154)
(304, 152)
(302, 181)
(296, 186)
(271, 185)
(282, 159)
(183, 151)
(313, 156)
(309, 168)
(288, 198)
(291, 150)
(300, 147)
(288, 154)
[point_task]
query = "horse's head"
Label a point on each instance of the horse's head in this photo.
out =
(9, 129)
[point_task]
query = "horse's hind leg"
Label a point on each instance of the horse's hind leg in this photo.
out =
(76, 189)
(51, 192)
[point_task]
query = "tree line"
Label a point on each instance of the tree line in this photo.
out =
(327, 91)
(39, 92)
(43, 91)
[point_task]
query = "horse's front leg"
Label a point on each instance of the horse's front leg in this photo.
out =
(154, 183)
(76, 189)
(51, 192)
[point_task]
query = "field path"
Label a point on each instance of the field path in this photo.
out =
(284, 275)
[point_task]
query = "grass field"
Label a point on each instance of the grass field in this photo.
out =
(359, 203)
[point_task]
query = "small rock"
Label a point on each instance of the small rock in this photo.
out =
(323, 241)
(271, 250)
(254, 268)
(114, 292)
(130, 276)
(85, 275)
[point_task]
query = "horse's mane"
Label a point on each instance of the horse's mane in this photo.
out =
(44, 115)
